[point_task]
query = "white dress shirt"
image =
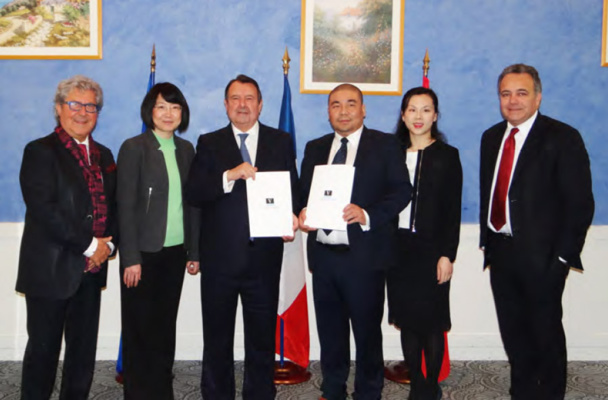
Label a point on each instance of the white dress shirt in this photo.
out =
(335, 236)
(520, 138)
(405, 215)
(252, 147)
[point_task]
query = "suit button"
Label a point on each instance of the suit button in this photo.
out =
(89, 216)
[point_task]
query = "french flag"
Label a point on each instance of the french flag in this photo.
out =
(292, 334)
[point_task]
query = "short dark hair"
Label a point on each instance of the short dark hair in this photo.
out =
(243, 79)
(403, 134)
(522, 69)
(171, 94)
(349, 86)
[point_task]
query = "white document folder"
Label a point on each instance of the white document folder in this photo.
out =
(269, 204)
(330, 192)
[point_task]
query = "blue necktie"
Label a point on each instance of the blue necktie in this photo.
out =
(245, 155)
(244, 151)
(339, 158)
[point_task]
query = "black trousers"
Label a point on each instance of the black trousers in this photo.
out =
(257, 284)
(47, 321)
(347, 293)
(149, 315)
(528, 299)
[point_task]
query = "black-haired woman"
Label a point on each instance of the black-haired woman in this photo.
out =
(158, 241)
(419, 279)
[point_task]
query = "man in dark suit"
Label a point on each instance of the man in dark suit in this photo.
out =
(535, 208)
(349, 266)
(68, 183)
(232, 263)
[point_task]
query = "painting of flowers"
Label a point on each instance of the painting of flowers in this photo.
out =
(356, 41)
(50, 28)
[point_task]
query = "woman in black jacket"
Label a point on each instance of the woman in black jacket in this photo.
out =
(427, 241)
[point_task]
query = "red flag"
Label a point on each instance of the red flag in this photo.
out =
(445, 365)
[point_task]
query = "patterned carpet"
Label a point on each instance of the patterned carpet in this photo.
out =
(474, 380)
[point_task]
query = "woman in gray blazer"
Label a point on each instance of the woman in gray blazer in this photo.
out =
(160, 233)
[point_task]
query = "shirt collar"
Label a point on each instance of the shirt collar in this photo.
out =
(85, 142)
(353, 138)
(524, 127)
(253, 131)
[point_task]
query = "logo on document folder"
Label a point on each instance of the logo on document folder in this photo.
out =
(327, 193)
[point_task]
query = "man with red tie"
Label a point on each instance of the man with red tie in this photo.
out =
(68, 183)
(536, 205)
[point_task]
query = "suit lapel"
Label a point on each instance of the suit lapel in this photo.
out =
(71, 163)
(181, 156)
(494, 142)
(363, 148)
(229, 147)
(263, 152)
(324, 150)
(156, 160)
(530, 147)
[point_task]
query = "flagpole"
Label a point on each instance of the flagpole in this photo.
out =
(399, 371)
(425, 70)
(288, 372)
(151, 80)
(286, 61)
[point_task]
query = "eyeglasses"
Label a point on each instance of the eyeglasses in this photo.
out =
(91, 108)
(173, 108)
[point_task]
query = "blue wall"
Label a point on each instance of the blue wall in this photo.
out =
(202, 44)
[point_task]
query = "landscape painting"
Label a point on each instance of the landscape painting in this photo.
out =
(50, 29)
(355, 41)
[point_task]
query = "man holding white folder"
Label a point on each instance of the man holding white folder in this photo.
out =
(349, 265)
(233, 263)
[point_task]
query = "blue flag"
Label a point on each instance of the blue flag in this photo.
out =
(151, 80)
(150, 84)
(286, 118)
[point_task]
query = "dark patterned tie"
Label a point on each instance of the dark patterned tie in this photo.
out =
(244, 151)
(85, 153)
(498, 218)
(339, 158)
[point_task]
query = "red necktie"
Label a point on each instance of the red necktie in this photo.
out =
(85, 153)
(499, 212)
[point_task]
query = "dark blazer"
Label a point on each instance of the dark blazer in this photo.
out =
(224, 216)
(143, 195)
(381, 187)
(437, 197)
(58, 218)
(550, 197)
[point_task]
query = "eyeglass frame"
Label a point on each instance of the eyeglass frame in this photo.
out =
(71, 104)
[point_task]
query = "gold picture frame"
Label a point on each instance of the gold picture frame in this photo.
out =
(50, 29)
(355, 41)
(604, 35)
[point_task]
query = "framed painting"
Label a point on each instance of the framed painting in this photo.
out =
(354, 41)
(605, 36)
(50, 29)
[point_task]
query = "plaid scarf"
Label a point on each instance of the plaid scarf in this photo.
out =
(92, 175)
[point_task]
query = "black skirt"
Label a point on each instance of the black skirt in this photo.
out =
(416, 302)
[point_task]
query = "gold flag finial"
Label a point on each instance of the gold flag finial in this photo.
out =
(286, 61)
(425, 66)
(153, 59)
